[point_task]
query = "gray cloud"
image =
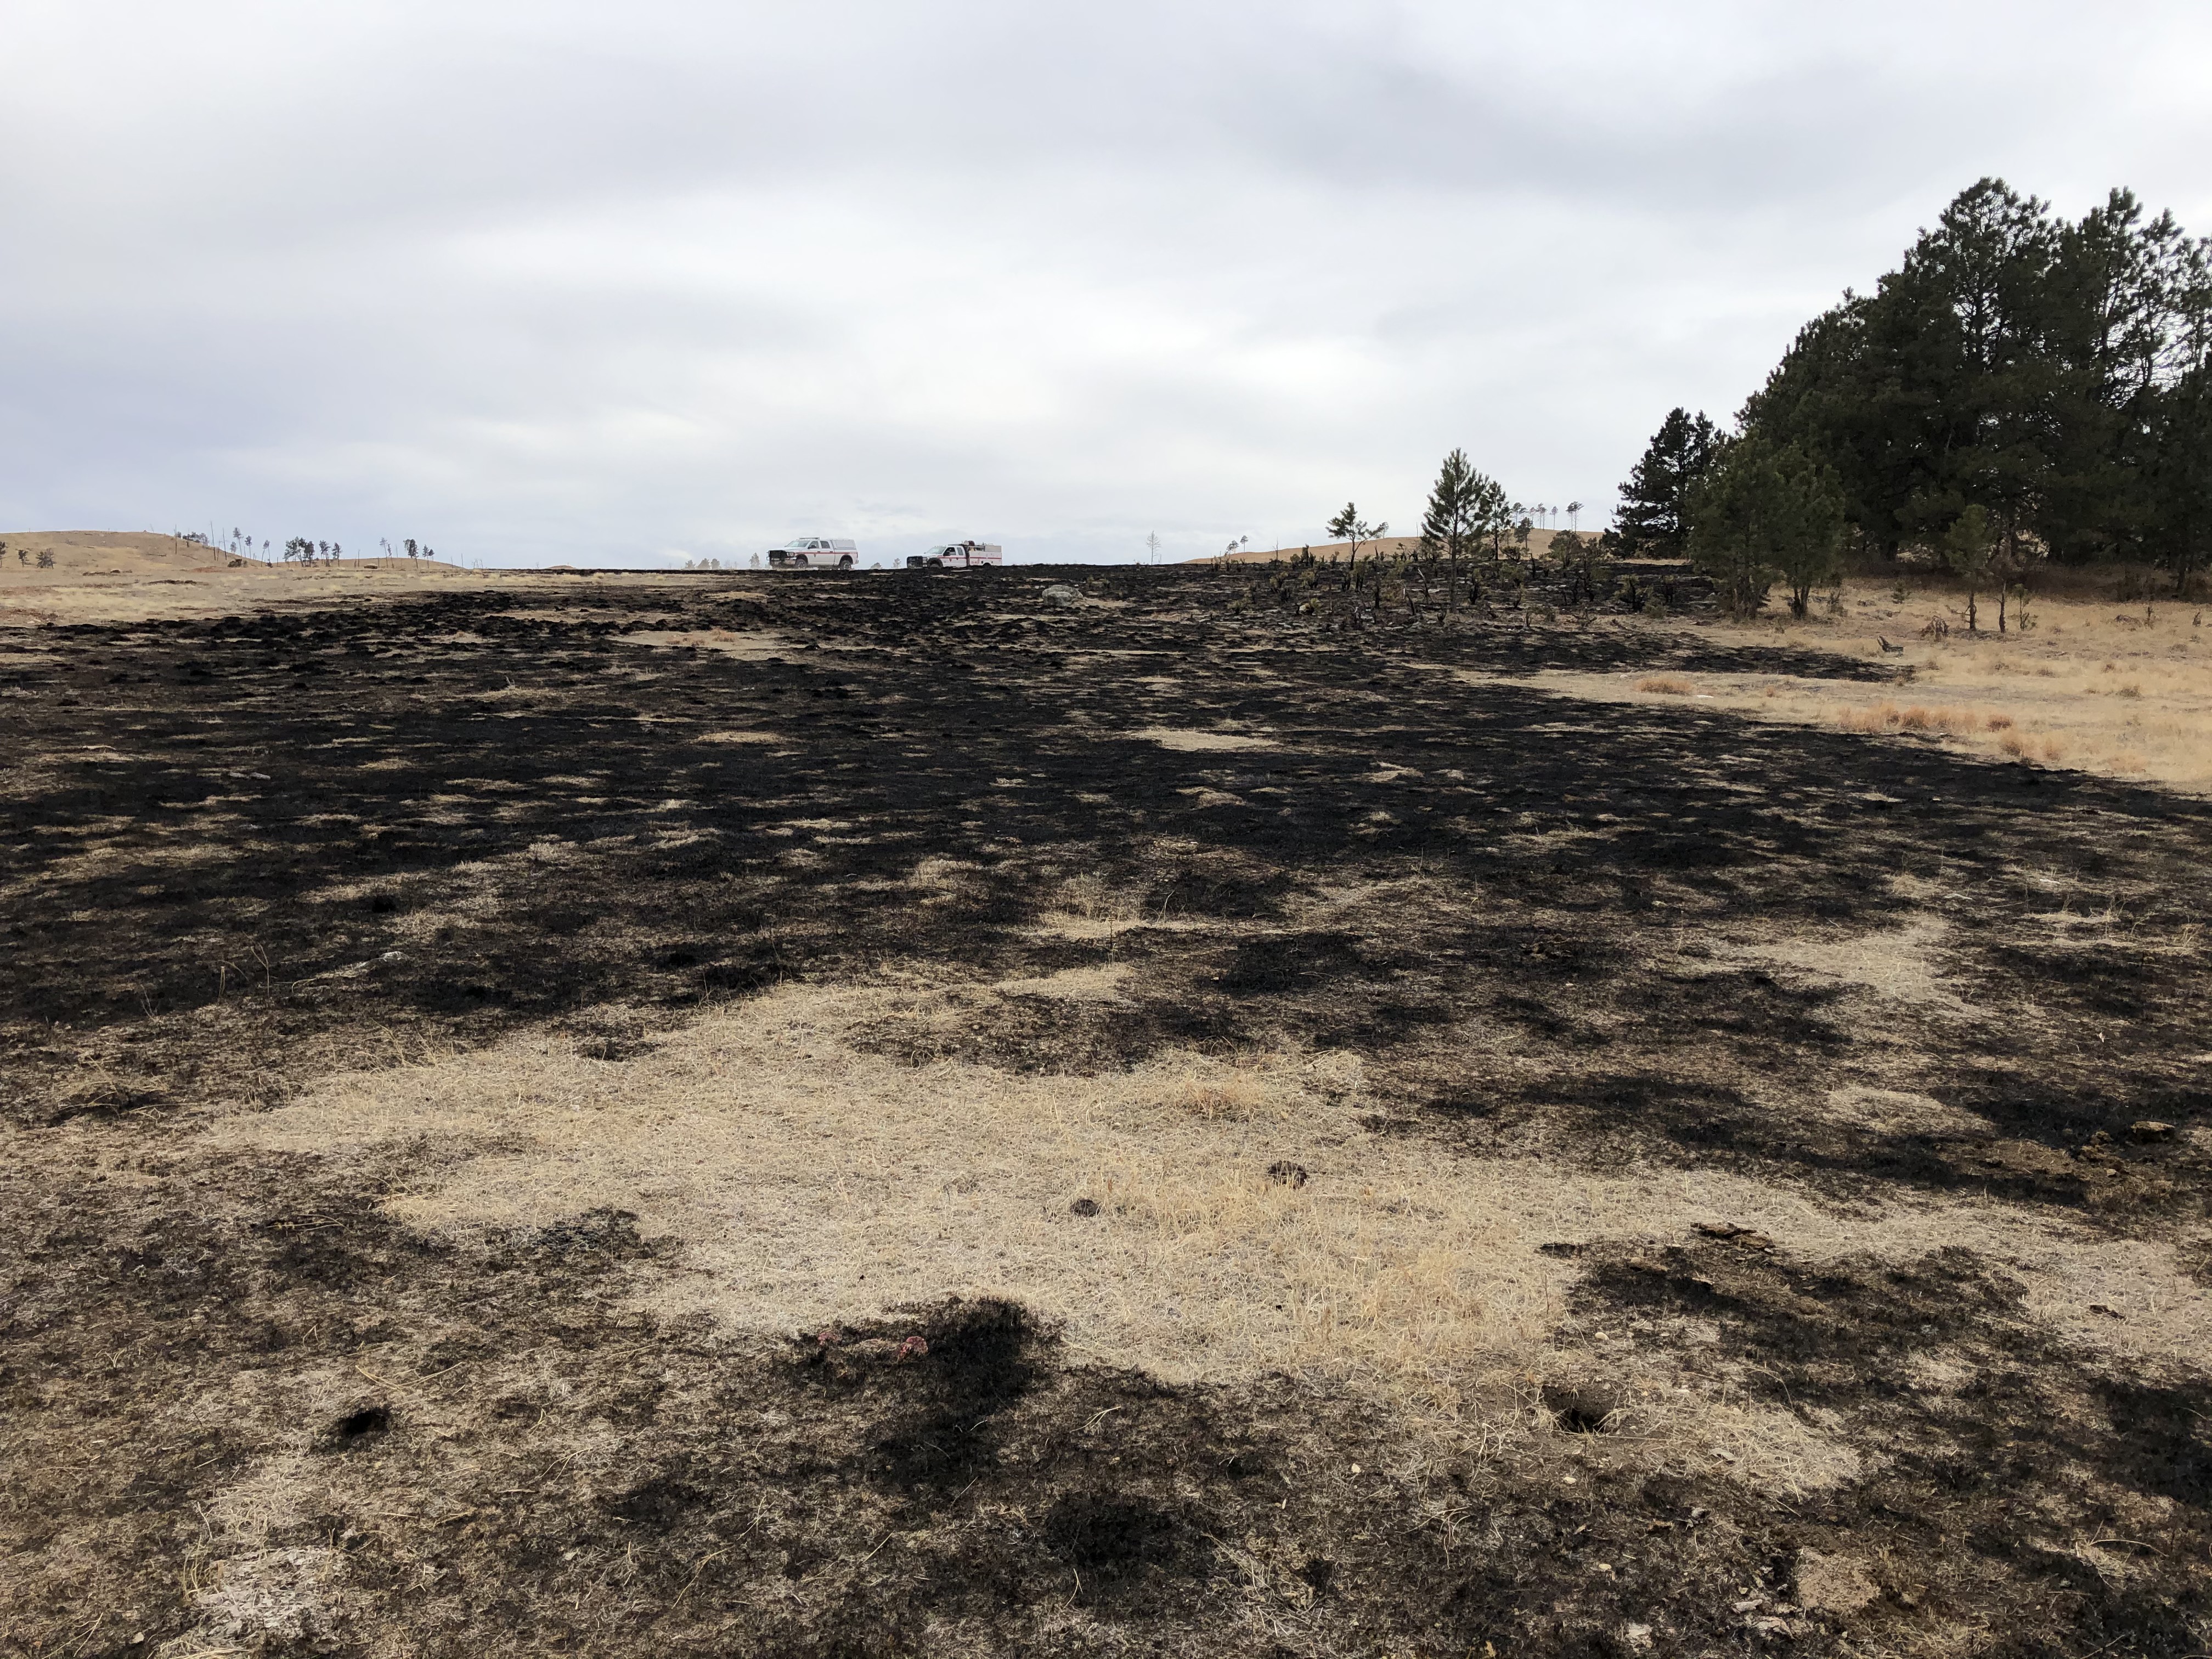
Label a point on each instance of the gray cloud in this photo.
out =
(564, 281)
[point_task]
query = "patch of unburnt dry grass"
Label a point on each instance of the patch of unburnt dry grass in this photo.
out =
(2120, 690)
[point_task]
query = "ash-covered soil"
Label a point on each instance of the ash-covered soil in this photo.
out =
(247, 1410)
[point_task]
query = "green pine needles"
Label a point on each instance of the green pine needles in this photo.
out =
(1763, 514)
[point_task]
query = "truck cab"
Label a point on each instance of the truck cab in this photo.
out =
(813, 552)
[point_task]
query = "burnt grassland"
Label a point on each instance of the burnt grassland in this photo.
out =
(246, 853)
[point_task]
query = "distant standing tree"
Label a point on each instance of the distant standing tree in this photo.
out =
(1465, 505)
(1653, 517)
(46, 558)
(1762, 514)
(1152, 548)
(413, 551)
(1576, 555)
(1349, 526)
(1970, 549)
(1574, 515)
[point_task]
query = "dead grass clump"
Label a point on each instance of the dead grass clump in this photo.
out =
(2000, 722)
(1413, 1303)
(1882, 717)
(1940, 720)
(1090, 908)
(1234, 1097)
(1665, 685)
(1888, 717)
(937, 872)
(1191, 740)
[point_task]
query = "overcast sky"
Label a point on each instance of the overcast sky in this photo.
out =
(618, 282)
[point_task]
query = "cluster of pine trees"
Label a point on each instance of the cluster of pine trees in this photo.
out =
(300, 550)
(2022, 388)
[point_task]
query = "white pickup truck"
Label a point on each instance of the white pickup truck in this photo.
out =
(959, 555)
(813, 552)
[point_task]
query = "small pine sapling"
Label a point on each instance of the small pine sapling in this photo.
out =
(1970, 549)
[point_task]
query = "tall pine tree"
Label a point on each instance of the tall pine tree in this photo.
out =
(1465, 506)
(1654, 519)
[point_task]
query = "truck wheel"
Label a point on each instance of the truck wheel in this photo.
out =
(798, 558)
(844, 562)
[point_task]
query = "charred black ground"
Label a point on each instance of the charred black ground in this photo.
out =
(214, 834)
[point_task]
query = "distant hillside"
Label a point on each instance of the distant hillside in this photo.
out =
(91, 555)
(80, 553)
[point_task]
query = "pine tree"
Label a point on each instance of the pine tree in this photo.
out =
(2012, 360)
(1349, 526)
(1762, 515)
(1465, 505)
(2180, 481)
(1969, 548)
(1653, 517)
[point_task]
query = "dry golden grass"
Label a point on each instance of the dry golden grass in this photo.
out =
(1197, 742)
(2125, 691)
(103, 576)
(1886, 716)
(806, 1179)
(753, 645)
(1236, 1097)
(1900, 963)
